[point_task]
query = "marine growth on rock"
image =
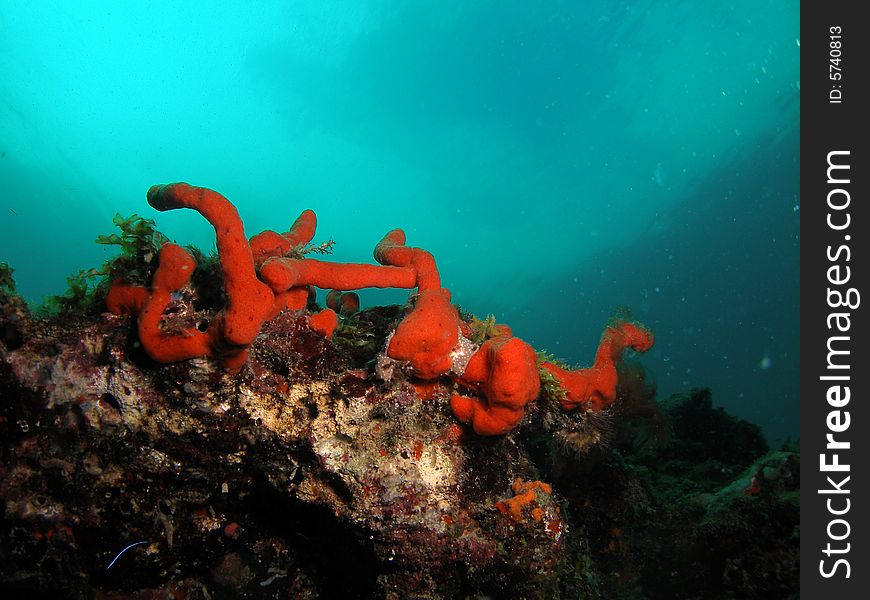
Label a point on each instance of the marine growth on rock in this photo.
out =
(267, 274)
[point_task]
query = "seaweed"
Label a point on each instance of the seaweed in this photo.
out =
(7, 282)
(483, 329)
(81, 297)
(139, 242)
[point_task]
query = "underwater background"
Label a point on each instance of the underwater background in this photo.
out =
(559, 162)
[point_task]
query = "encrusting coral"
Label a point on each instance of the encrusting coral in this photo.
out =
(267, 274)
(525, 494)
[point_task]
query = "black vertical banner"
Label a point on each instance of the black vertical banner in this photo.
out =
(835, 368)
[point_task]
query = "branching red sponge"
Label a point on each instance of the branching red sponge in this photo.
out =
(324, 322)
(249, 300)
(261, 279)
(269, 244)
(595, 386)
(429, 334)
(176, 265)
(392, 251)
(126, 299)
(267, 274)
(504, 372)
(284, 273)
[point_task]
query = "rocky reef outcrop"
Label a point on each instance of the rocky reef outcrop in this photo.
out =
(321, 470)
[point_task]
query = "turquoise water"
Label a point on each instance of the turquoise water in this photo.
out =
(558, 162)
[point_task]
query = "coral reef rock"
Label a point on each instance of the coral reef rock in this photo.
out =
(307, 475)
